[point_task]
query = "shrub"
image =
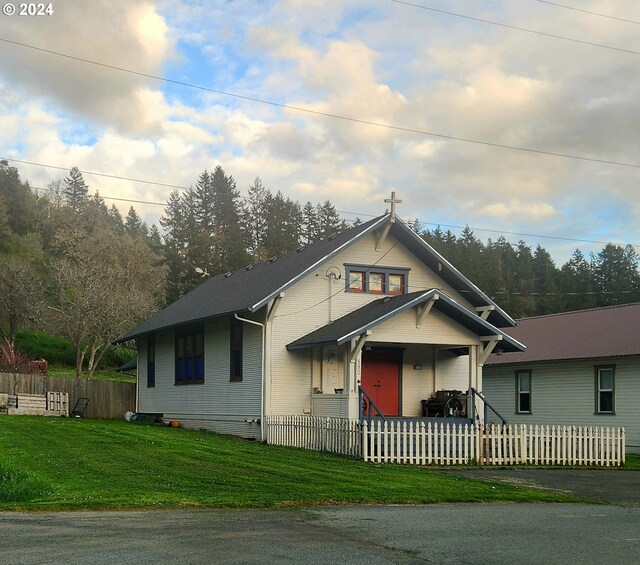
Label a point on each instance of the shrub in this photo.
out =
(12, 361)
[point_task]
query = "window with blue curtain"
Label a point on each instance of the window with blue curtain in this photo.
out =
(190, 356)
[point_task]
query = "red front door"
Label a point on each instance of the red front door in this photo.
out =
(381, 380)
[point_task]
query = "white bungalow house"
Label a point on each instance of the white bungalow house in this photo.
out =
(580, 368)
(373, 306)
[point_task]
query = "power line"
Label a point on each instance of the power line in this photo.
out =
(85, 172)
(336, 116)
(501, 232)
(110, 197)
(517, 28)
(589, 12)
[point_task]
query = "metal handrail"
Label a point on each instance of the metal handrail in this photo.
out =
(487, 405)
(371, 404)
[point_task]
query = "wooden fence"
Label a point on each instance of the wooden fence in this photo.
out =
(441, 443)
(107, 399)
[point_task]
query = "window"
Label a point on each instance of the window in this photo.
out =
(235, 342)
(523, 392)
(396, 284)
(382, 280)
(355, 281)
(376, 283)
(190, 356)
(605, 380)
(151, 361)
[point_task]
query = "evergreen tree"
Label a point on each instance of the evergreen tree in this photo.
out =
(255, 219)
(284, 225)
(204, 198)
(117, 223)
(229, 240)
(576, 283)
(545, 277)
(310, 228)
(328, 220)
(4, 221)
(75, 190)
(133, 225)
(19, 200)
(616, 274)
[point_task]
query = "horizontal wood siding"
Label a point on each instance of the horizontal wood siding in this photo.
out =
(452, 371)
(564, 393)
(107, 399)
(437, 328)
(329, 405)
(218, 403)
(307, 306)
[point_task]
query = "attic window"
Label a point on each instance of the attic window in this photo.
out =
(376, 279)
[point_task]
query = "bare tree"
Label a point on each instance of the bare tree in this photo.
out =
(19, 296)
(110, 284)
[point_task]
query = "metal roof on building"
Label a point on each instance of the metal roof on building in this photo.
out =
(612, 331)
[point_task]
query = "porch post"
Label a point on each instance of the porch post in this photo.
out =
(352, 372)
(473, 380)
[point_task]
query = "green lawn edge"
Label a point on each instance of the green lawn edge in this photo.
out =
(53, 464)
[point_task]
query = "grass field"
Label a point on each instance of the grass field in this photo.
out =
(65, 464)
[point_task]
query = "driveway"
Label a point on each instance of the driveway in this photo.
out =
(613, 486)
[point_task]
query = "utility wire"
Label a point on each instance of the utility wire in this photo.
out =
(588, 12)
(517, 28)
(334, 116)
(85, 172)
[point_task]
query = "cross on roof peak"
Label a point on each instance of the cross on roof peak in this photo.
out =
(393, 201)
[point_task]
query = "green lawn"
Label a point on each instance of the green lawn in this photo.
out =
(61, 463)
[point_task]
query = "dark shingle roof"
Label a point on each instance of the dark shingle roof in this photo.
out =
(601, 332)
(370, 315)
(251, 288)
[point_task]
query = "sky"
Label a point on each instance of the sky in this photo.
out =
(242, 72)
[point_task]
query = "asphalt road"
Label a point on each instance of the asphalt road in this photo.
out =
(452, 533)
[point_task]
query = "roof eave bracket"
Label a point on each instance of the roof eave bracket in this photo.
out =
(490, 343)
(422, 310)
(358, 346)
(382, 235)
(484, 311)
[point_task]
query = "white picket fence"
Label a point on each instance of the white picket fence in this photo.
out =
(336, 435)
(440, 443)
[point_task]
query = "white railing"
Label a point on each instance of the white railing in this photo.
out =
(441, 443)
(336, 435)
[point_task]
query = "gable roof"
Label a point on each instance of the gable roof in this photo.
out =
(370, 315)
(249, 289)
(612, 331)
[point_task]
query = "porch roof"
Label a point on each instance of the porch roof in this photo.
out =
(355, 323)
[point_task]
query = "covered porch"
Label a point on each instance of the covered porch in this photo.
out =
(417, 356)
